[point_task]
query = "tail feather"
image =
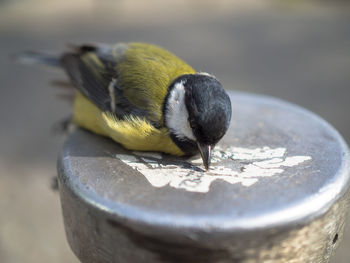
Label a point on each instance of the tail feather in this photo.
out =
(32, 57)
(63, 84)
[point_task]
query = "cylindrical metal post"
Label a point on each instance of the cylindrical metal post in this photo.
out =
(277, 191)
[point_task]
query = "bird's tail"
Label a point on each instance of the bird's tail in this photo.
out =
(47, 60)
(33, 57)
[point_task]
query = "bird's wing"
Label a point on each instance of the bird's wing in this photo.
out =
(125, 79)
(92, 70)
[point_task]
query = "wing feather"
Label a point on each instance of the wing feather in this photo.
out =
(89, 78)
(92, 71)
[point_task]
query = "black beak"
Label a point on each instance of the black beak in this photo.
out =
(205, 151)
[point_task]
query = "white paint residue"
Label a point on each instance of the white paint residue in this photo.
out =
(237, 153)
(249, 166)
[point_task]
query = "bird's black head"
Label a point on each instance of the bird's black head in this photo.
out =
(209, 108)
(209, 111)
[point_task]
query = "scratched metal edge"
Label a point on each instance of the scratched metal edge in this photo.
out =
(303, 213)
(312, 242)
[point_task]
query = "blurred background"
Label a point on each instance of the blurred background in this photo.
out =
(293, 50)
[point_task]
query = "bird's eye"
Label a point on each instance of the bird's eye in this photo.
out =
(192, 123)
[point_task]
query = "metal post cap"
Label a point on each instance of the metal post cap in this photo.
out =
(277, 191)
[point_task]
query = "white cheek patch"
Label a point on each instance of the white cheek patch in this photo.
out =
(177, 114)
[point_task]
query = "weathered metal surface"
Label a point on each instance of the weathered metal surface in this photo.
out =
(277, 192)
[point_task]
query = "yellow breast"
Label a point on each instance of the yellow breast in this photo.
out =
(133, 133)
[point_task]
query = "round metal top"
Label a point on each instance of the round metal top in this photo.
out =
(278, 164)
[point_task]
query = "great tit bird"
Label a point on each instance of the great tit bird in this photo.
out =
(145, 98)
